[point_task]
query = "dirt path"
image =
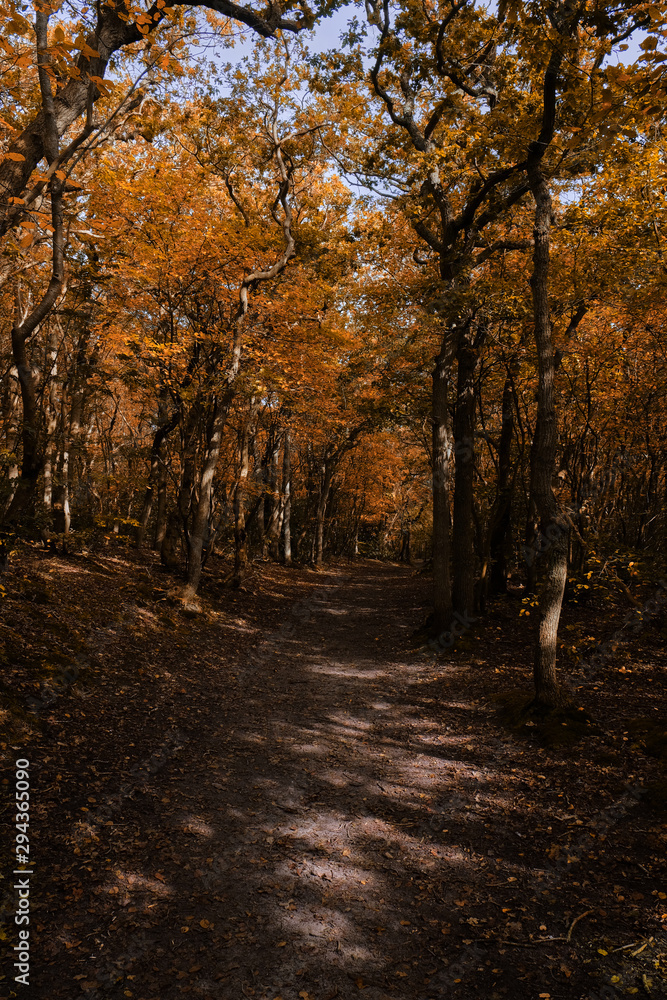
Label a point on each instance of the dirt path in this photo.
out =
(309, 809)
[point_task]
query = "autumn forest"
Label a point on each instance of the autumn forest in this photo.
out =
(333, 479)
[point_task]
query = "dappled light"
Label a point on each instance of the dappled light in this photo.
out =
(333, 480)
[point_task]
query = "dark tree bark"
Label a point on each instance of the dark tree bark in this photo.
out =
(553, 523)
(543, 459)
(326, 474)
(200, 520)
(240, 538)
(160, 436)
(287, 499)
(177, 521)
(442, 449)
(463, 534)
(162, 508)
(500, 519)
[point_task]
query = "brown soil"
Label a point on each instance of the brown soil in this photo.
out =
(285, 797)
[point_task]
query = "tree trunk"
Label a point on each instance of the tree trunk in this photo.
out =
(70, 444)
(272, 503)
(12, 420)
(442, 447)
(154, 476)
(50, 444)
(170, 550)
(200, 521)
(553, 523)
(463, 534)
(161, 515)
(287, 499)
(500, 519)
(240, 537)
(325, 487)
(23, 500)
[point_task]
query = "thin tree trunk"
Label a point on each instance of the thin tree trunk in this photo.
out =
(161, 515)
(50, 445)
(71, 440)
(463, 533)
(32, 455)
(325, 488)
(203, 507)
(153, 476)
(287, 499)
(240, 535)
(272, 536)
(12, 417)
(442, 447)
(500, 518)
(170, 549)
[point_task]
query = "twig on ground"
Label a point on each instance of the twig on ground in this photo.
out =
(576, 921)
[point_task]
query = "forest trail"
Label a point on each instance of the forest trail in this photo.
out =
(314, 809)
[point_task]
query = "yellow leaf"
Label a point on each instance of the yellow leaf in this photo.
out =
(16, 157)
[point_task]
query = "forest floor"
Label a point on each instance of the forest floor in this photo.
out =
(285, 796)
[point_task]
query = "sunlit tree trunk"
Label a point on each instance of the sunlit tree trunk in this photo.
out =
(272, 500)
(12, 421)
(287, 499)
(322, 500)
(240, 537)
(442, 449)
(51, 444)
